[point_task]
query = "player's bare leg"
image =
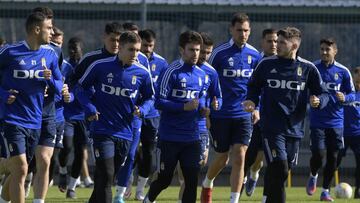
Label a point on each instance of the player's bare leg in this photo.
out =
(237, 170)
(43, 156)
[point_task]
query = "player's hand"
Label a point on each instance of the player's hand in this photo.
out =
(94, 117)
(314, 101)
(205, 112)
(137, 112)
(255, 116)
(215, 104)
(12, 96)
(340, 96)
(47, 72)
(65, 89)
(248, 105)
(191, 105)
(65, 93)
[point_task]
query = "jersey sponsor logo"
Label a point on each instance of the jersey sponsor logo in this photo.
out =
(22, 62)
(183, 82)
(153, 67)
(110, 77)
(336, 76)
(231, 61)
(133, 80)
(118, 91)
(232, 73)
(249, 59)
(332, 86)
(284, 84)
(28, 74)
(188, 94)
(299, 71)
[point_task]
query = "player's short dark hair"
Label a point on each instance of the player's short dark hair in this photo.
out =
(113, 27)
(268, 31)
(75, 40)
(48, 12)
(290, 33)
(329, 41)
(356, 70)
(206, 39)
(130, 26)
(34, 19)
(239, 18)
(189, 37)
(57, 32)
(129, 37)
(147, 35)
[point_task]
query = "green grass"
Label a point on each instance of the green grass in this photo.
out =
(220, 195)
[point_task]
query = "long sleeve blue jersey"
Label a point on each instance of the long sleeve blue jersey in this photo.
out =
(157, 65)
(117, 89)
(22, 70)
(212, 87)
(179, 84)
(285, 86)
(234, 66)
(336, 78)
(352, 117)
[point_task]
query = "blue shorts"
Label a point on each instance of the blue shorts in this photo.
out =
(60, 126)
(3, 146)
(107, 146)
(77, 128)
(21, 140)
(256, 142)
(48, 133)
(278, 147)
(352, 142)
(226, 132)
(204, 136)
(149, 128)
(168, 154)
(326, 138)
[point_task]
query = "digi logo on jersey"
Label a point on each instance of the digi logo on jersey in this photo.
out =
(28, 74)
(188, 94)
(232, 73)
(332, 86)
(284, 84)
(118, 91)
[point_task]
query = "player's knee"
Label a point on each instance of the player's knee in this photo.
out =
(222, 159)
(18, 166)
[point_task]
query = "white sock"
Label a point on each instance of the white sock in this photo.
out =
(141, 183)
(3, 201)
(72, 183)
(38, 201)
(254, 175)
(315, 176)
(146, 200)
(325, 190)
(88, 180)
(0, 189)
(63, 170)
(207, 183)
(264, 199)
(120, 191)
(234, 197)
(29, 177)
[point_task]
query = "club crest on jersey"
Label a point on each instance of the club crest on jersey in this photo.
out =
(11, 149)
(200, 81)
(336, 76)
(249, 59)
(273, 152)
(110, 77)
(97, 153)
(183, 82)
(153, 67)
(299, 71)
(231, 61)
(133, 80)
(206, 79)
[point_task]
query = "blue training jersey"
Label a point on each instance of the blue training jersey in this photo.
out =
(157, 65)
(352, 117)
(285, 86)
(212, 87)
(117, 89)
(22, 70)
(235, 66)
(337, 78)
(179, 84)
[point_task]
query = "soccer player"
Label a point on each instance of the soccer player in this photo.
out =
(118, 81)
(327, 125)
(284, 82)
(2, 41)
(254, 155)
(58, 37)
(149, 128)
(231, 126)
(352, 130)
(27, 68)
(180, 99)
